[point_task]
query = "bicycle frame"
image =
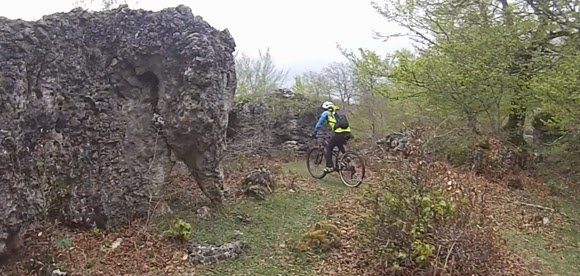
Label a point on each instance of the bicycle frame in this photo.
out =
(336, 152)
(342, 163)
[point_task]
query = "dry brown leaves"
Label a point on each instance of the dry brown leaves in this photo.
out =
(495, 203)
(499, 205)
(130, 251)
(133, 250)
(351, 258)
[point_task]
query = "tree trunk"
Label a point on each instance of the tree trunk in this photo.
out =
(517, 114)
(515, 123)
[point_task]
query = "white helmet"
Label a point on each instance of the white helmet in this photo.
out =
(327, 105)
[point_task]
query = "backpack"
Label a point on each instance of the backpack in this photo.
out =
(341, 120)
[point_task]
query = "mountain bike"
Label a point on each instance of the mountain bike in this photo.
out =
(349, 164)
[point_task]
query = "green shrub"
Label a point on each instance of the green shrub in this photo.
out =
(559, 162)
(180, 230)
(557, 187)
(63, 242)
(451, 142)
(403, 221)
(413, 229)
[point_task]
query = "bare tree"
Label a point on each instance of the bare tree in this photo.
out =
(312, 83)
(258, 76)
(343, 82)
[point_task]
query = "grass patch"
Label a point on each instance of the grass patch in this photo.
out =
(330, 184)
(275, 227)
(557, 253)
(276, 224)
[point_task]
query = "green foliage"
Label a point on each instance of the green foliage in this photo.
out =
(313, 84)
(258, 76)
(63, 242)
(403, 222)
(558, 89)
(371, 75)
(483, 61)
(561, 160)
(457, 79)
(180, 230)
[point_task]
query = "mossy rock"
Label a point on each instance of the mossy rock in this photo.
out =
(324, 237)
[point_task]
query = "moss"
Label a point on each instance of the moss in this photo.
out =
(323, 237)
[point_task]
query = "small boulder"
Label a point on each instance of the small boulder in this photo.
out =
(405, 143)
(259, 183)
(291, 145)
(208, 254)
(204, 213)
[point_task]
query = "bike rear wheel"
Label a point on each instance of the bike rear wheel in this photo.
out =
(315, 163)
(352, 169)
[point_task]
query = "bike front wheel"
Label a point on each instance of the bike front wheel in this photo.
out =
(314, 163)
(352, 169)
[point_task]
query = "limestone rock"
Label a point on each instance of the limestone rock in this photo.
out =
(204, 213)
(259, 183)
(207, 254)
(93, 104)
(404, 142)
(264, 125)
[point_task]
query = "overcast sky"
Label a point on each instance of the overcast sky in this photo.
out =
(301, 34)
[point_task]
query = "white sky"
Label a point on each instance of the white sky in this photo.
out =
(301, 34)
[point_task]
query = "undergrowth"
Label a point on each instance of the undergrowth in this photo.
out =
(416, 229)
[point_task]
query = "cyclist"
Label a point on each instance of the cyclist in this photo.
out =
(340, 135)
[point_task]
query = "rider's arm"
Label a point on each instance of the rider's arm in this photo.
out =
(321, 120)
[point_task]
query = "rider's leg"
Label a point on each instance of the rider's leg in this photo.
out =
(333, 142)
(342, 139)
(341, 147)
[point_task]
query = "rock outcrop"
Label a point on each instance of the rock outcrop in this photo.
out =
(405, 142)
(94, 105)
(280, 120)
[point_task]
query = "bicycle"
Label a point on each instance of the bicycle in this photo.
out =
(349, 164)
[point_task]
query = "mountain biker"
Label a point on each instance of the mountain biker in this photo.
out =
(340, 135)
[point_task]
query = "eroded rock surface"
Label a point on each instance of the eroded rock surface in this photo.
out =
(405, 142)
(93, 104)
(279, 120)
(208, 254)
(259, 183)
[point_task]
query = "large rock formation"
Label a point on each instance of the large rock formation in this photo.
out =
(93, 104)
(281, 118)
